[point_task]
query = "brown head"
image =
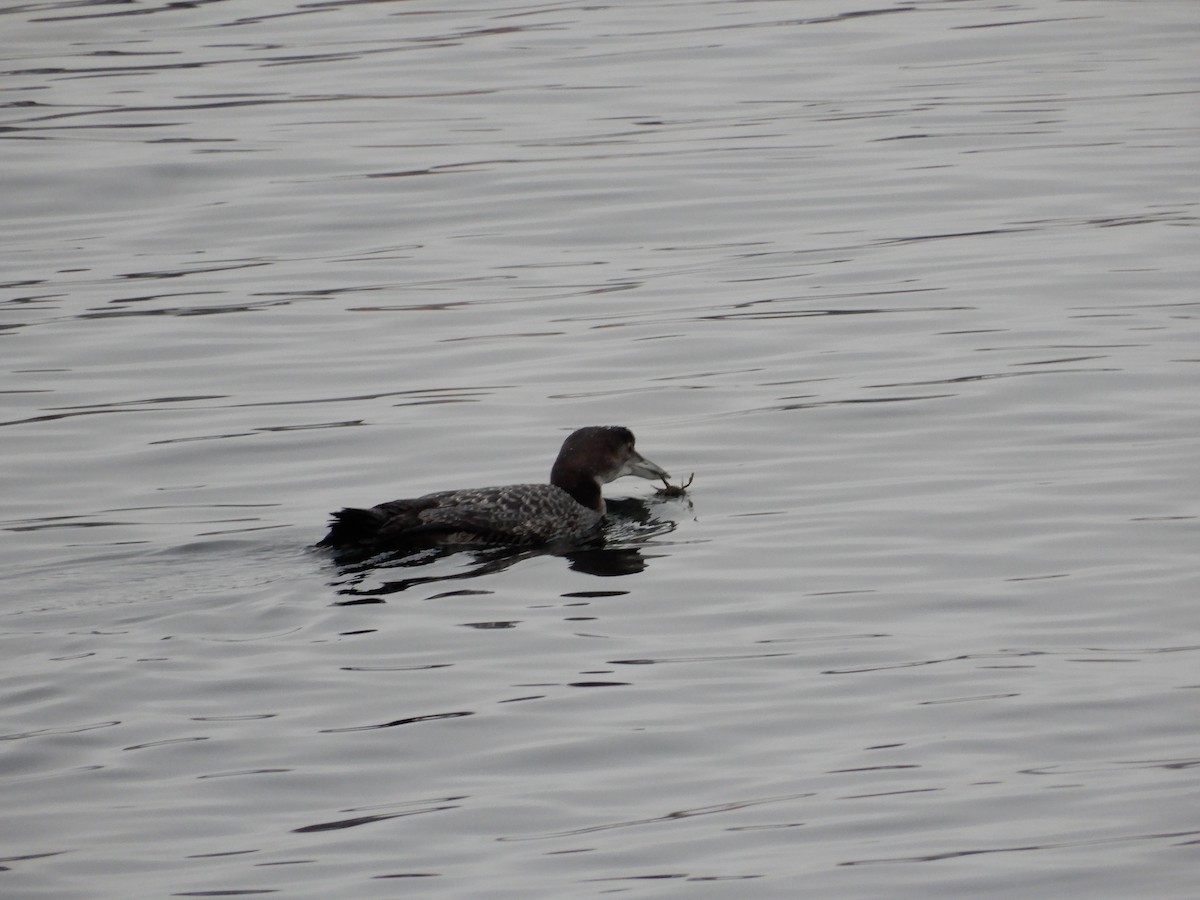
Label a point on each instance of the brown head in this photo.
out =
(596, 455)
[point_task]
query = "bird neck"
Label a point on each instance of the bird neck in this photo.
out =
(584, 488)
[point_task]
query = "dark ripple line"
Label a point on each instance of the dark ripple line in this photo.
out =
(166, 742)
(68, 729)
(1051, 845)
(181, 398)
(432, 717)
(834, 18)
(1024, 22)
(424, 396)
(818, 404)
(951, 234)
(25, 856)
(265, 429)
(668, 817)
(650, 661)
(367, 820)
(989, 376)
(183, 310)
(594, 684)
(1117, 766)
(95, 72)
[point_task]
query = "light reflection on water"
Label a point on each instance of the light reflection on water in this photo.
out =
(911, 289)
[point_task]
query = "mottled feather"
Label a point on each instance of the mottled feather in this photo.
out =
(569, 510)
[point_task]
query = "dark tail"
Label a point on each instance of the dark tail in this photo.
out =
(353, 528)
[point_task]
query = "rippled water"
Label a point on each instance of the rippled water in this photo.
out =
(910, 287)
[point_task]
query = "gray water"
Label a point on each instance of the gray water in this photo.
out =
(910, 287)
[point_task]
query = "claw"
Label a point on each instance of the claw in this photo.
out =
(676, 490)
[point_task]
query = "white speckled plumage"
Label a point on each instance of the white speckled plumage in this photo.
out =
(568, 510)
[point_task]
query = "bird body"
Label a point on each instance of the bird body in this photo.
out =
(570, 509)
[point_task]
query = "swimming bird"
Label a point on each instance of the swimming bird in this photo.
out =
(567, 510)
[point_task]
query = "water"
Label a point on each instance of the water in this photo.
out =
(910, 287)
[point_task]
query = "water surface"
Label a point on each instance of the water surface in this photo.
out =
(910, 287)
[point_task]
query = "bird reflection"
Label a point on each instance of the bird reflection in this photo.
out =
(632, 523)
